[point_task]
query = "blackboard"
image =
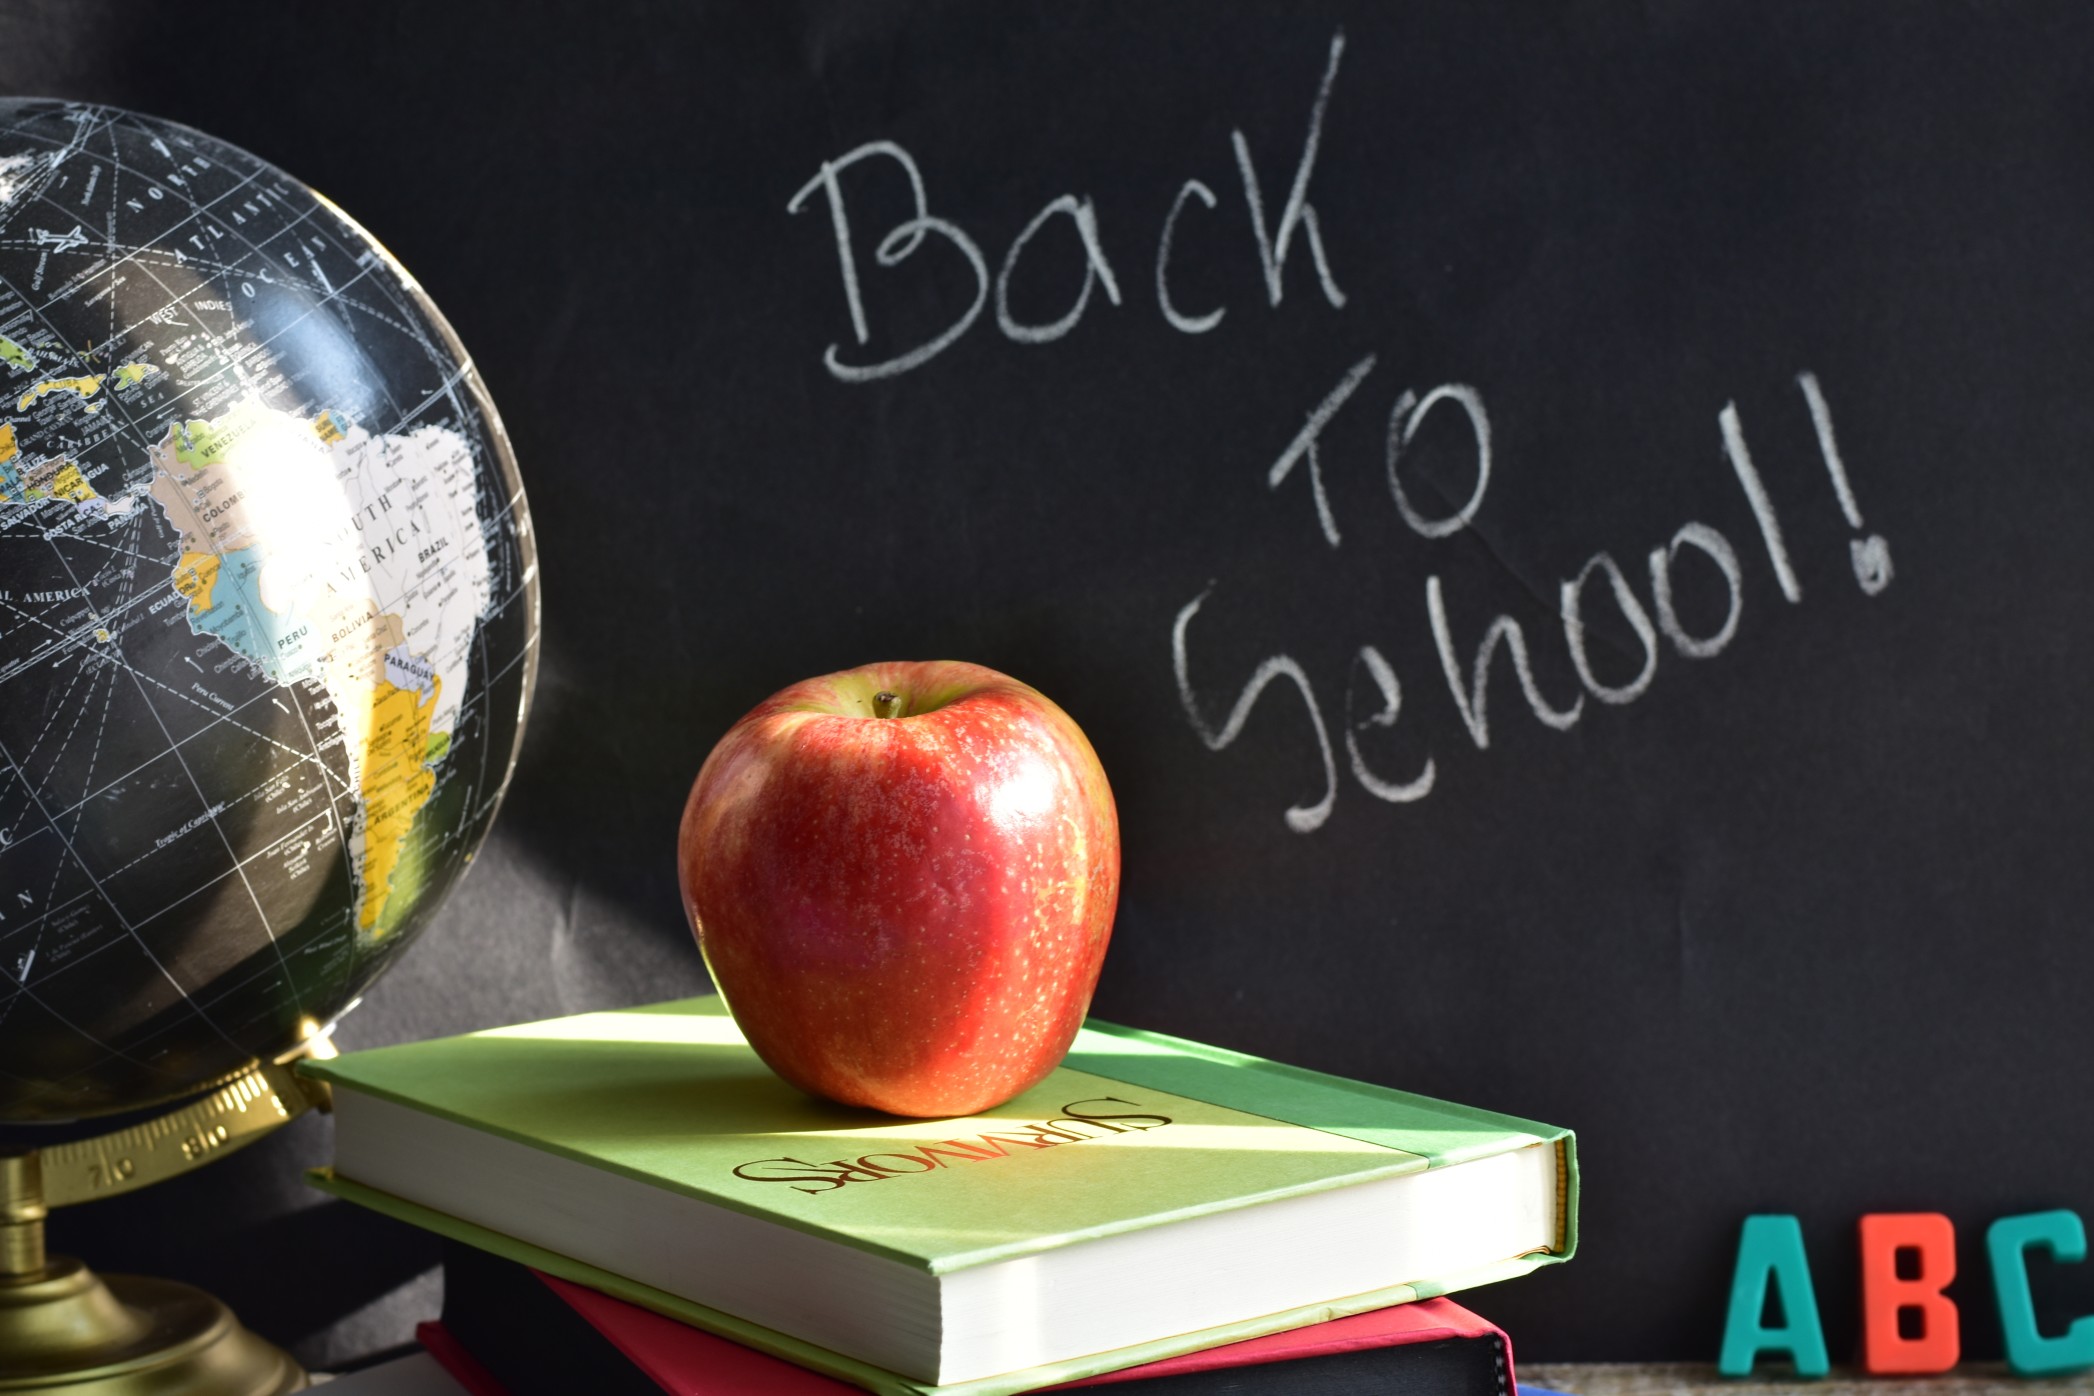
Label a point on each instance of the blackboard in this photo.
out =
(1175, 381)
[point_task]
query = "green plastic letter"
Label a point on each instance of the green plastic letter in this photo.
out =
(2007, 1241)
(1771, 1249)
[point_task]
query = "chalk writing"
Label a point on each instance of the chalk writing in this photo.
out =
(1469, 683)
(1274, 241)
(1637, 598)
(1871, 555)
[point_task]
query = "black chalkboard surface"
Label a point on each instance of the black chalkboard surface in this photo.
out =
(1566, 525)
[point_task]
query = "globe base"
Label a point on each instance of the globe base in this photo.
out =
(65, 1331)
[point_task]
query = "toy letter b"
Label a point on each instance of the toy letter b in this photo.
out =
(2007, 1243)
(1885, 1295)
(1770, 1251)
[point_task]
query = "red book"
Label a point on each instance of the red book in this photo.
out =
(511, 1331)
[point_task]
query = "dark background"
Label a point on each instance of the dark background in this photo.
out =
(1799, 929)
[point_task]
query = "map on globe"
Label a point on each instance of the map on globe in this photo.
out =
(268, 610)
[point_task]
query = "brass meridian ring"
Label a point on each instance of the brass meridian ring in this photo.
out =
(239, 1112)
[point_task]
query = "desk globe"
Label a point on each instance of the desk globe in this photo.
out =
(268, 625)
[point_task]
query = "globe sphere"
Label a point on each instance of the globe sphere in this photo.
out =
(268, 611)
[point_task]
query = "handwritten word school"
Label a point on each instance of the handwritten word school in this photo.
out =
(1371, 694)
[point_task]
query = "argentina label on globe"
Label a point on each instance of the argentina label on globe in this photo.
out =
(268, 610)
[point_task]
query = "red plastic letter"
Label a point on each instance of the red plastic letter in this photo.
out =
(1885, 1294)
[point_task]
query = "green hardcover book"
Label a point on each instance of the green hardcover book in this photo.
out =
(1151, 1197)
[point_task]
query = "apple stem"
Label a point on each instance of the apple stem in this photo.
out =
(887, 704)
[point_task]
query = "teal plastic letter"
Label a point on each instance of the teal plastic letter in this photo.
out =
(1771, 1249)
(2007, 1241)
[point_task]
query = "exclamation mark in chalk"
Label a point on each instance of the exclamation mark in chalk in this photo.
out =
(1872, 571)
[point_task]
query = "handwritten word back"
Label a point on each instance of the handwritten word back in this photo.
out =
(1274, 240)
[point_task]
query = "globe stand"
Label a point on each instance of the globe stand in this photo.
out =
(65, 1331)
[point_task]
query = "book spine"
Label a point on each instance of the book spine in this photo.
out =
(460, 1365)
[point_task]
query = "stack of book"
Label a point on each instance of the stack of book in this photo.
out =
(638, 1202)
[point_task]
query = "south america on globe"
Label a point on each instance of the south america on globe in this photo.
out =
(268, 610)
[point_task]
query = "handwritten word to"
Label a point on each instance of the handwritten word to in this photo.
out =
(1275, 240)
(1469, 685)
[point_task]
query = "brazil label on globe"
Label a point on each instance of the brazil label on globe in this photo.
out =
(268, 610)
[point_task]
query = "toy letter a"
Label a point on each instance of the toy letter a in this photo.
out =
(1770, 1251)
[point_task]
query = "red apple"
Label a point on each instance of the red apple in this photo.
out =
(903, 878)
